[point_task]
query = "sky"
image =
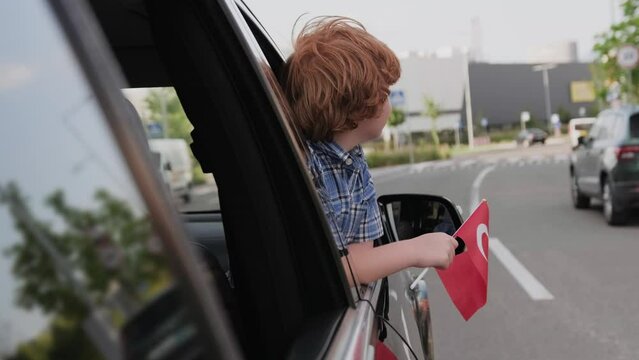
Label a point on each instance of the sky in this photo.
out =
(509, 28)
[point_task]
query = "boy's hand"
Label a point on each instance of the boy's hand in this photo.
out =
(434, 250)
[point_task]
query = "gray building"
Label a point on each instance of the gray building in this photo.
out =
(500, 92)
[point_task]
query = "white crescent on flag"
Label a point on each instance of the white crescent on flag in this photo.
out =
(481, 230)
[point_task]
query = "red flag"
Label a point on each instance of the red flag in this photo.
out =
(466, 280)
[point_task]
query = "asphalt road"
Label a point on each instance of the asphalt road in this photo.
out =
(588, 268)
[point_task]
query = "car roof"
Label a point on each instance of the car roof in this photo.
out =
(126, 27)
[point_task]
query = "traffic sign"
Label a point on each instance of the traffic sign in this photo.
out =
(628, 56)
(525, 116)
(397, 97)
(155, 130)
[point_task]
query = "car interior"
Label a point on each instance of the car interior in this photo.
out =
(161, 44)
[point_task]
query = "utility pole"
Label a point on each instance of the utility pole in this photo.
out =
(544, 70)
(469, 109)
(165, 121)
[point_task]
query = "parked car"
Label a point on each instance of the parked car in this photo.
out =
(605, 165)
(97, 262)
(532, 136)
(579, 127)
(175, 165)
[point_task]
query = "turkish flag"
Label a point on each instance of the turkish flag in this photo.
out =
(466, 280)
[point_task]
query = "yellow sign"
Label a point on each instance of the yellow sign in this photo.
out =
(582, 91)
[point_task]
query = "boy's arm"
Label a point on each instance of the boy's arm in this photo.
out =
(372, 263)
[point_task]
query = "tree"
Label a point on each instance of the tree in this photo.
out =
(165, 108)
(433, 111)
(397, 117)
(564, 114)
(606, 72)
(62, 271)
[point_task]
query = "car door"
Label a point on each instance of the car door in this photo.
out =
(588, 156)
(597, 152)
(93, 263)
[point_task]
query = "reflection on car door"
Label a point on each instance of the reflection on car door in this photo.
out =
(84, 252)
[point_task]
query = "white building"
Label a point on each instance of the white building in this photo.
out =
(560, 52)
(440, 78)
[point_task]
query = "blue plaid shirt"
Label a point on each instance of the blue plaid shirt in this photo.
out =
(346, 190)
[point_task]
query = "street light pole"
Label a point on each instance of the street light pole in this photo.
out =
(544, 70)
(469, 109)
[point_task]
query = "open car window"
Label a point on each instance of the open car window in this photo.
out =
(168, 132)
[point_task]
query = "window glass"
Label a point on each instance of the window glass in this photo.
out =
(169, 135)
(80, 264)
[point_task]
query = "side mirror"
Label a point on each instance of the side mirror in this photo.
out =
(405, 216)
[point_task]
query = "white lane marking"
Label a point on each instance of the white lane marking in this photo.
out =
(466, 163)
(419, 168)
(526, 280)
(407, 337)
(445, 163)
(419, 277)
(536, 159)
(513, 160)
(474, 191)
(559, 158)
(391, 176)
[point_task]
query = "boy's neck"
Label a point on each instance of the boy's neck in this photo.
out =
(346, 140)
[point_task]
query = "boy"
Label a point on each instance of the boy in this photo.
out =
(337, 82)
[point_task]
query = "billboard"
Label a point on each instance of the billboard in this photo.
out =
(582, 91)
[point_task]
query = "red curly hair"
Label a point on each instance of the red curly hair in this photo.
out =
(337, 76)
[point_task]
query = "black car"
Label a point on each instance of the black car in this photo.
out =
(97, 261)
(531, 136)
(605, 164)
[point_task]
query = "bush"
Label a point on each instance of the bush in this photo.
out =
(427, 153)
(504, 135)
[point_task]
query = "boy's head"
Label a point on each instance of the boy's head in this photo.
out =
(338, 76)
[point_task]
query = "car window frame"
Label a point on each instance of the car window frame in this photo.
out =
(105, 79)
(259, 151)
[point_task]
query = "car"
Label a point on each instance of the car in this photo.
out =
(531, 136)
(605, 164)
(99, 262)
(175, 164)
(579, 127)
